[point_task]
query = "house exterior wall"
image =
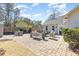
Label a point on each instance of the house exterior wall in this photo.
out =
(1, 29)
(65, 23)
(57, 23)
(74, 21)
(73, 12)
(49, 27)
(56, 28)
(59, 20)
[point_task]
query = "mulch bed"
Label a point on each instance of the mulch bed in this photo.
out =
(2, 40)
(2, 51)
(74, 49)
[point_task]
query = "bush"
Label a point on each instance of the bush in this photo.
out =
(71, 36)
(52, 34)
(22, 29)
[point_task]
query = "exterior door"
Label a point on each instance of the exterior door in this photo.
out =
(53, 28)
(46, 28)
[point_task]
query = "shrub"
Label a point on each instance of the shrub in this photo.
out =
(71, 36)
(22, 29)
(52, 34)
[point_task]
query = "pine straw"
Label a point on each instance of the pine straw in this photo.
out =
(14, 49)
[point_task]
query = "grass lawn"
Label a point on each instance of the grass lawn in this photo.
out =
(14, 49)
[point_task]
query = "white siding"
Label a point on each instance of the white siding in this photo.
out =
(49, 27)
(66, 23)
(74, 21)
(59, 21)
(50, 23)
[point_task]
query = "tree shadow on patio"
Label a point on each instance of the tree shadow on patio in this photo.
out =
(53, 39)
(45, 40)
(38, 39)
(3, 40)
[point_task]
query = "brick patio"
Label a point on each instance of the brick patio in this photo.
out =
(44, 48)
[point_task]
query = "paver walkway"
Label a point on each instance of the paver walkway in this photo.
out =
(44, 48)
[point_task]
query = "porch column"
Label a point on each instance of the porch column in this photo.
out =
(57, 29)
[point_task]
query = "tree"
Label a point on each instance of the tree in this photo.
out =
(1, 13)
(9, 15)
(37, 25)
(9, 11)
(54, 15)
(27, 20)
(24, 23)
(16, 16)
(56, 12)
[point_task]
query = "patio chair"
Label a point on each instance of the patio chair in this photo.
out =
(20, 33)
(16, 33)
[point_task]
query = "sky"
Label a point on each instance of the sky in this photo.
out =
(41, 11)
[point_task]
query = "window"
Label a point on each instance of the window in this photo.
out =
(52, 27)
(46, 27)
